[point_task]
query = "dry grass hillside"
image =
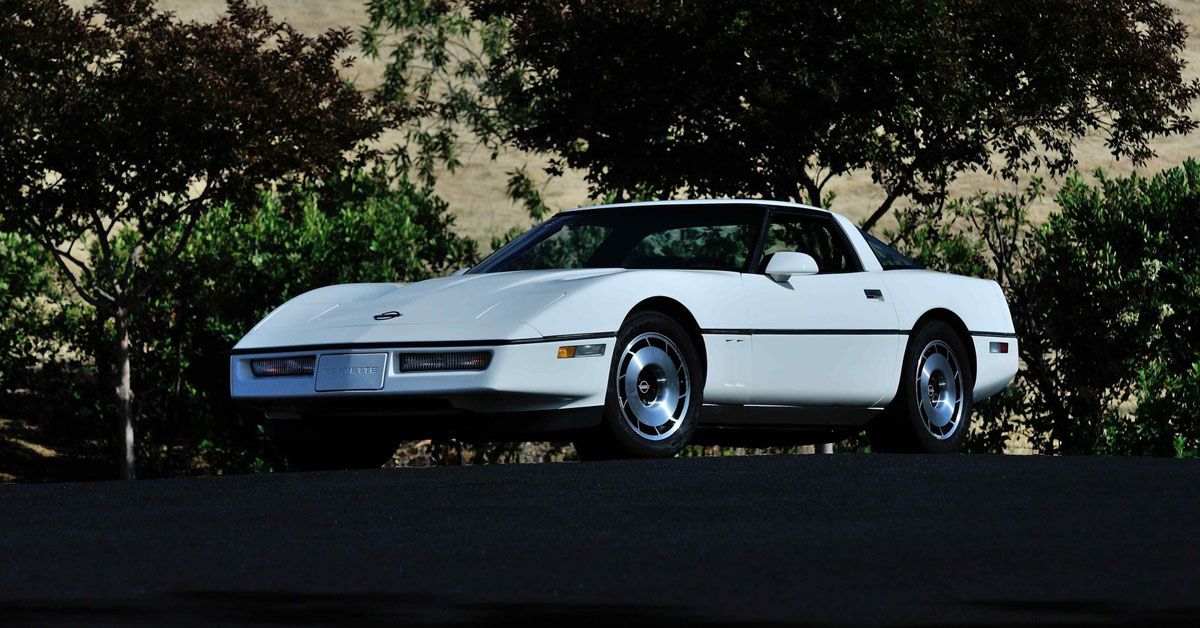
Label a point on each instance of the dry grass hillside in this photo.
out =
(476, 192)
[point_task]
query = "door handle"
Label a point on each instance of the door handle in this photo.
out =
(874, 294)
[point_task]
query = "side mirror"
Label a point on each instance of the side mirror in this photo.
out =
(785, 264)
(460, 271)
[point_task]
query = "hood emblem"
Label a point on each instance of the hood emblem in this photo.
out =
(387, 316)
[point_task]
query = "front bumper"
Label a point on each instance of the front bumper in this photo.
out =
(525, 377)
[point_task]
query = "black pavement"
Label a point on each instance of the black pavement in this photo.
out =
(798, 540)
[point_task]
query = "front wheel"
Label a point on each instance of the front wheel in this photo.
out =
(932, 409)
(654, 395)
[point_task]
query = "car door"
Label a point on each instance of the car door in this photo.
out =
(828, 339)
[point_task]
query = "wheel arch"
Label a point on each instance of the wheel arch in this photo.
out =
(680, 314)
(955, 322)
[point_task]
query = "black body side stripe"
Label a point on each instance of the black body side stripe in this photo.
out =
(994, 334)
(806, 332)
(836, 332)
(423, 344)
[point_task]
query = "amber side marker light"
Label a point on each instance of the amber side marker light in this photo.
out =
(580, 351)
(999, 347)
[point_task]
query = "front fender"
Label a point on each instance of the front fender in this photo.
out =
(714, 299)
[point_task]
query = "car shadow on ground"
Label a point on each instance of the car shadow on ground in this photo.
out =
(231, 608)
(348, 609)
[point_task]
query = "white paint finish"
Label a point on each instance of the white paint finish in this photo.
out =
(993, 371)
(753, 202)
(819, 368)
(467, 307)
(785, 264)
(531, 371)
(806, 369)
(601, 303)
(728, 376)
(979, 303)
(865, 255)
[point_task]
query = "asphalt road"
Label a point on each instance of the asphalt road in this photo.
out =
(799, 540)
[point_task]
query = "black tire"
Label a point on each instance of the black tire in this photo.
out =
(616, 436)
(314, 444)
(905, 426)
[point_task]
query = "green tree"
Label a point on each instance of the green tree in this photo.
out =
(241, 263)
(27, 290)
(120, 126)
(776, 99)
(1105, 297)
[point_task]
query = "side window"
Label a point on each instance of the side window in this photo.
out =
(814, 235)
(889, 258)
(709, 247)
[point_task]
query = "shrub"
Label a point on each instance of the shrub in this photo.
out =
(26, 290)
(1105, 297)
(353, 228)
(1118, 270)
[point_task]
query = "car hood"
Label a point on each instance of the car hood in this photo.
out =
(465, 307)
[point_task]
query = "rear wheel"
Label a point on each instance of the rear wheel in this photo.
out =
(311, 444)
(654, 392)
(932, 409)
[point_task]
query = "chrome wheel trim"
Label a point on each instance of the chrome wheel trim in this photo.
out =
(939, 390)
(653, 385)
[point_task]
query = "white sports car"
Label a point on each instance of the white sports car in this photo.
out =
(633, 330)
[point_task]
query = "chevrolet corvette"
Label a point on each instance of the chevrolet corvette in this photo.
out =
(633, 330)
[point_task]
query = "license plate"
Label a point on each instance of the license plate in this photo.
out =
(351, 371)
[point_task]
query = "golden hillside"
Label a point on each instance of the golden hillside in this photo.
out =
(476, 192)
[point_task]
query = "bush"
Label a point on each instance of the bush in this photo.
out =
(1125, 253)
(1105, 297)
(360, 227)
(47, 387)
(27, 291)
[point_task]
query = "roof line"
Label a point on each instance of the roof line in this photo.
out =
(702, 201)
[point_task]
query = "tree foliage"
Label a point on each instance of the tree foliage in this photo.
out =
(776, 99)
(28, 292)
(1105, 297)
(120, 115)
(243, 262)
(121, 125)
(1115, 284)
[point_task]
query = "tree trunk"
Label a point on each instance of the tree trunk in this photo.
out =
(124, 395)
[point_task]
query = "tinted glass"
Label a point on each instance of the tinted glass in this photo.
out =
(889, 258)
(817, 236)
(717, 247)
(698, 237)
(569, 247)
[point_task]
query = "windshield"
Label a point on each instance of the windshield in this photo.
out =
(707, 237)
